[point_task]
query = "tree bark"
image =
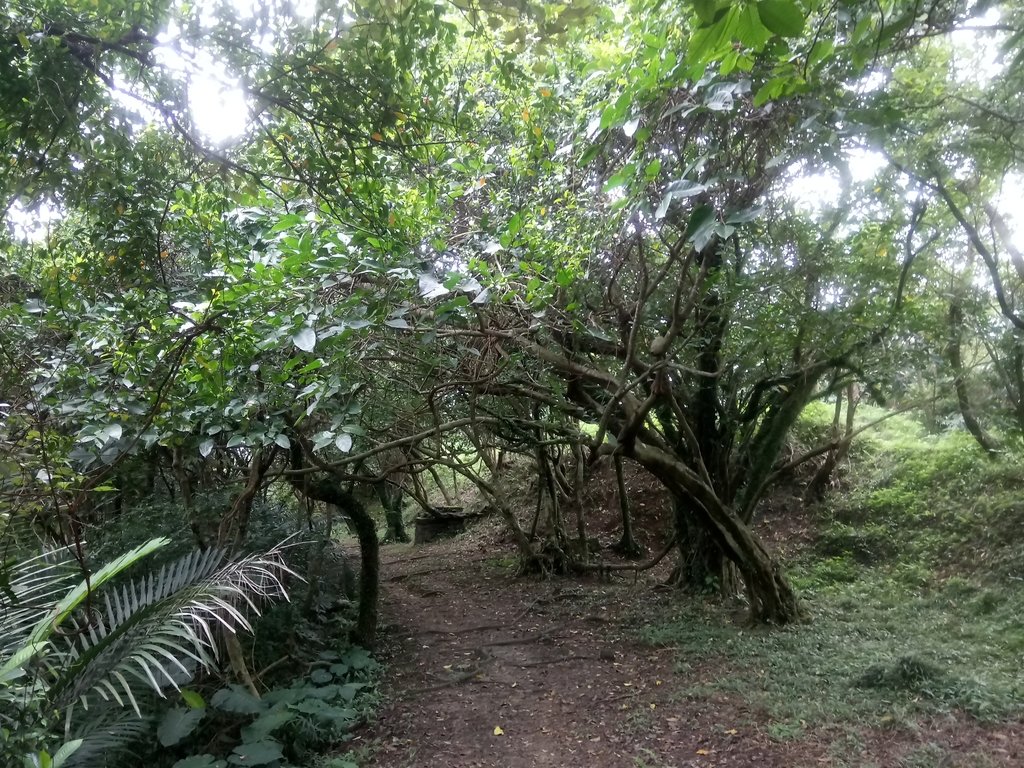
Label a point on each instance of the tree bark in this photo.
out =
(577, 492)
(815, 490)
(184, 481)
(703, 566)
(772, 599)
(391, 498)
(1016, 392)
(627, 546)
(330, 491)
(956, 318)
(448, 498)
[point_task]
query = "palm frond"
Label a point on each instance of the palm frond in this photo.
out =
(114, 732)
(155, 632)
(65, 641)
(34, 586)
(73, 599)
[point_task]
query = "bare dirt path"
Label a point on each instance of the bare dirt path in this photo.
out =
(485, 669)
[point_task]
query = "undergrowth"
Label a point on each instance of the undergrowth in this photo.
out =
(915, 584)
(315, 687)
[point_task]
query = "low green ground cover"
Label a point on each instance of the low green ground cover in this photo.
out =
(915, 587)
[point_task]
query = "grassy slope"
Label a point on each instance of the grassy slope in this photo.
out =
(915, 587)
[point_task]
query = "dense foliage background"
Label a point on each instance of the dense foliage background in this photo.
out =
(444, 238)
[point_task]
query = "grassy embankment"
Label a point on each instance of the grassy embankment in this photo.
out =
(915, 585)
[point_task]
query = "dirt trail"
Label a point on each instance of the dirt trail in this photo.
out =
(488, 670)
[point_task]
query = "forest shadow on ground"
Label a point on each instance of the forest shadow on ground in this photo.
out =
(911, 656)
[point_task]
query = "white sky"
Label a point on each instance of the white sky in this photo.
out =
(816, 191)
(221, 113)
(977, 58)
(219, 108)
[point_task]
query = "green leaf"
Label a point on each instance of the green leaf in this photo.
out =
(750, 30)
(708, 42)
(199, 761)
(66, 750)
(322, 440)
(74, 598)
(745, 215)
(256, 753)
(821, 51)
(343, 442)
(514, 225)
(783, 17)
(348, 691)
(261, 728)
(192, 699)
(894, 28)
(285, 222)
(589, 154)
(770, 90)
(685, 188)
(12, 668)
(706, 10)
(358, 658)
(178, 723)
(283, 441)
(305, 339)
(612, 115)
(666, 201)
(320, 676)
(236, 699)
(620, 178)
(701, 226)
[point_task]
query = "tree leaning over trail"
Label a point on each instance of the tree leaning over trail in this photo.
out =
(645, 268)
(554, 226)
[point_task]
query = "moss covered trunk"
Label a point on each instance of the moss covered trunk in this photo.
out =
(392, 500)
(703, 566)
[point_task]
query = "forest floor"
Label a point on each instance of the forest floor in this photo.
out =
(484, 669)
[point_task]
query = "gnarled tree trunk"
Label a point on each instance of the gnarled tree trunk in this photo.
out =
(391, 499)
(703, 566)
(330, 491)
(772, 599)
(627, 546)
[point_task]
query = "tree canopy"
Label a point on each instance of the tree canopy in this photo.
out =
(447, 230)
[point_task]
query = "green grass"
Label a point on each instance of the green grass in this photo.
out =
(915, 585)
(877, 651)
